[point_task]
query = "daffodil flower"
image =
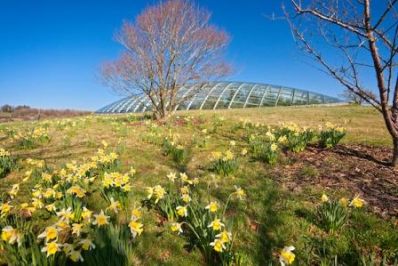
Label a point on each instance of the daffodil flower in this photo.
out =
(357, 202)
(51, 248)
(176, 227)
(136, 228)
(101, 219)
(182, 211)
(324, 198)
(212, 207)
(218, 245)
(286, 256)
(50, 233)
(87, 244)
(216, 225)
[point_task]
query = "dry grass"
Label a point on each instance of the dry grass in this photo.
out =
(30, 114)
(365, 125)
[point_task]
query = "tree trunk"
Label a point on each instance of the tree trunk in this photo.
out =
(394, 161)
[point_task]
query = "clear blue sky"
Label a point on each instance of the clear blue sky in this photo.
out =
(51, 50)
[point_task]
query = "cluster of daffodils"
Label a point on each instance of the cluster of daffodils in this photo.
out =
(224, 163)
(157, 193)
(294, 137)
(11, 235)
(266, 147)
(62, 193)
(104, 158)
(136, 227)
(4, 153)
(330, 126)
(116, 180)
(6, 162)
(222, 237)
(356, 202)
(205, 223)
(30, 137)
(224, 156)
(330, 135)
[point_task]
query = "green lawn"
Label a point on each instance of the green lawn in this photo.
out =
(268, 219)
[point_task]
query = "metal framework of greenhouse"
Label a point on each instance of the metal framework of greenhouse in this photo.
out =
(226, 95)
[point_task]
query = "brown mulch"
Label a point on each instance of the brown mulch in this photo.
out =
(355, 168)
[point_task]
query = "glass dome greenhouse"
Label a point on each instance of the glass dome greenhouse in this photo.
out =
(226, 95)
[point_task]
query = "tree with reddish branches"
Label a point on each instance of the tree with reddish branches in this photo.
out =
(169, 46)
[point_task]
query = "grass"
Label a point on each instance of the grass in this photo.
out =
(270, 218)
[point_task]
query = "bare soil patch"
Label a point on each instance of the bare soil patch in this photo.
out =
(358, 169)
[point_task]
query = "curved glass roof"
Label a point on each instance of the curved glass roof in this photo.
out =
(225, 95)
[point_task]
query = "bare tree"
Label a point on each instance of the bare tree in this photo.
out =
(361, 38)
(353, 98)
(169, 46)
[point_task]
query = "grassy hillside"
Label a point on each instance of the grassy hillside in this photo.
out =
(365, 125)
(281, 204)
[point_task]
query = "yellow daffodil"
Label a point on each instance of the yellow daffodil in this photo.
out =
(77, 191)
(65, 214)
(186, 198)
(4, 153)
(172, 176)
(239, 193)
(51, 248)
(51, 207)
(5, 208)
(77, 229)
(86, 214)
(287, 256)
(136, 228)
(101, 219)
(212, 207)
(324, 198)
(274, 147)
(282, 140)
(357, 202)
(14, 190)
(114, 206)
(343, 202)
(136, 214)
(216, 155)
(218, 245)
(10, 235)
(243, 152)
(216, 225)
(184, 177)
(184, 190)
(176, 227)
(158, 192)
(87, 244)
(225, 236)
(50, 233)
(228, 155)
(149, 191)
(182, 211)
(75, 255)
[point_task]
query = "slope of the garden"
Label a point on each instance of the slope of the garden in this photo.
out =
(281, 202)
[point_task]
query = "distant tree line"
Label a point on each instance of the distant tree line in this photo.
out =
(6, 108)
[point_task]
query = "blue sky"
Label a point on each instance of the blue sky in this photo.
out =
(51, 50)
